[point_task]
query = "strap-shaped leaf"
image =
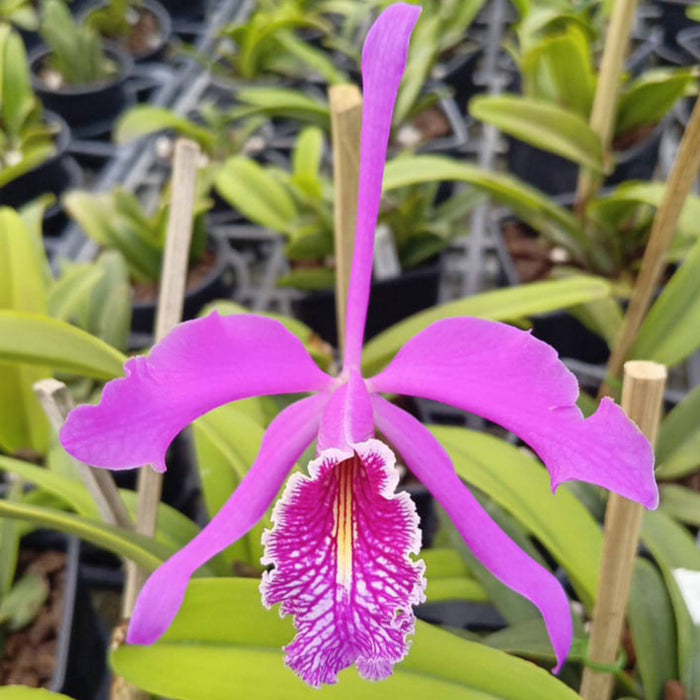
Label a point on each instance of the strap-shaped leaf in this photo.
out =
(678, 444)
(552, 221)
(40, 340)
(673, 548)
(669, 333)
(253, 191)
(543, 125)
(205, 655)
(517, 482)
(500, 305)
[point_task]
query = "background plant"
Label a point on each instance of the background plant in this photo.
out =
(26, 139)
(77, 54)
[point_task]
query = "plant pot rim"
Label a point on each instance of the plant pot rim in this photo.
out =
(157, 9)
(124, 61)
(219, 247)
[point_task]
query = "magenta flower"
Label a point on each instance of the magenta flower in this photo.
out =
(342, 540)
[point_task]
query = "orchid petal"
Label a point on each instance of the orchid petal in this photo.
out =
(427, 459)
(201, 365)
(348, 417)
(340, 547)
(517, 381)
(383, 65)
(288, 436)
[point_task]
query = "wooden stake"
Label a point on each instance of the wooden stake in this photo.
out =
(170, 304)
(604, 108)
(680, 182)
(346, 126)
(642, 399)
(57, 404)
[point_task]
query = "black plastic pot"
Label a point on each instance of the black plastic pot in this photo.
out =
(165, 25)
(90, 110)
(390, 301)
(81, 649)
(185, 9)
(54, 176)
(557, 176)
(218, 284)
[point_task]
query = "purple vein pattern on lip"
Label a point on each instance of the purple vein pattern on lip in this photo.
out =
(340, 549)
(342, 543)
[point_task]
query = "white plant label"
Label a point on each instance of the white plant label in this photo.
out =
(386, 257)
(689, 583)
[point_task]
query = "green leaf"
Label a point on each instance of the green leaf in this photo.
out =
(256, 194)
(552, 221)
(227, 444)
(653, 629)
(612, 209)
(22, 289)
(559, 67)
(649, 98)
(20, 692)
(282, 103)
(306, 161)
(500, 305)
(308, 279)
(115, 220)
(68, 297)
(143, 551)
(174, 530)
(205, 657)
(40, 340)
(24, 601)
(543, 125)
(681, 503)
(519, 483)
(678, 444)
(530, 639)
(669, 333)
(673, 548)
(144, 120)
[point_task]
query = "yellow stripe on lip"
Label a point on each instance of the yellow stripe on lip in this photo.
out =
(343, 528)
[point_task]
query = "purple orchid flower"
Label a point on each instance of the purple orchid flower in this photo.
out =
(342, 539)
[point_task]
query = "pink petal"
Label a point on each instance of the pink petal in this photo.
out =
(517, 381)
(285, 441)
(341, 546)
(383, 65)
(426, 458)
(202, 364)
(348, 417)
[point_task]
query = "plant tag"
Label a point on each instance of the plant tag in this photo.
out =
(386, 258)
(689, 583)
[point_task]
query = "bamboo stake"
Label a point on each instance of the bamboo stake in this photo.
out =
(57, 404)
(642, 399)
(680, 182)
(603, 112)
(170, 304)
(346, 126)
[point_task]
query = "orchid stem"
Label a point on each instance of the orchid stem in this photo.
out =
(642, 400)
(57, 403)
(346, 127)
(603, 113)
(680, 182)
(170, 304)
